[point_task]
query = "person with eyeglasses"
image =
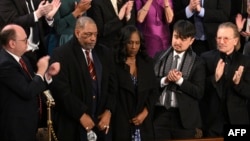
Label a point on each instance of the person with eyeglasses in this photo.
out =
(227, 83)
(85, 89)
(20, 86)
(36, 17)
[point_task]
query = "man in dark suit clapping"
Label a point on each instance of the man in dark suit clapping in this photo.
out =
(20, 87)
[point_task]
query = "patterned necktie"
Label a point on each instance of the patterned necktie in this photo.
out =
(24, 66)
(171, 96)
(175, 62)
(90, 66)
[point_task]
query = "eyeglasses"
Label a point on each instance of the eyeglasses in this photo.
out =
(89, 34)
(24, 40)
(225, 39)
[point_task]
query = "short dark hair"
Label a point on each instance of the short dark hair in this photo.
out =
(184, 29)
(6, 35)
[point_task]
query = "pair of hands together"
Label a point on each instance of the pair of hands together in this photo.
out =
(173, 76)
(45, 70)
(220, 70)
(195, 5)
(47, 9)
(126, 9)
(81, 7)
(104, 121)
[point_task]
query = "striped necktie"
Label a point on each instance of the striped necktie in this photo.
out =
(24, 66)
(91, 67)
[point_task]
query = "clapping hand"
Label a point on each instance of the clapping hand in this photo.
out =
(43, 9)
(55, 6)
(122, 11)
(219, 70)
(81, 7)
(237, 75)
(129, 7)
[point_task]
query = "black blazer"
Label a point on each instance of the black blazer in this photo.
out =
(130, 103)
(72, 87)
(242, 38)
(190, 93)
(18, 100)
(16, 11)
(108, 23)
(236, 95)
(216, 12)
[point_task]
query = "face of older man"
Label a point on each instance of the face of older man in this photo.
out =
(225, 39)
(19, 44)
(87, 36)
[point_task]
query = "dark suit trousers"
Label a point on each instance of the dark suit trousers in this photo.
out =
(167, 125)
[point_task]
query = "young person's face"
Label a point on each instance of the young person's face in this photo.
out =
(180, 44)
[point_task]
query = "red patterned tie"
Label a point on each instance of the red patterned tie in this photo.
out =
(24, 66)
(90, 66)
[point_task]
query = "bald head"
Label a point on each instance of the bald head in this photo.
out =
(14, 39)
(9, 32)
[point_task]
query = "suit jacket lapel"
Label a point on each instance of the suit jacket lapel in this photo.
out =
(109, 5)
(21, 6)
(98, 70)
(125, 81)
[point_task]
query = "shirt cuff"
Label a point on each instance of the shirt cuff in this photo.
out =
(202, 12)
(188, 12)
(35, 17)
(50, 22)
(128, 17)
(163, 83)
(48, 80)
(180, 81)
(40, 76)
